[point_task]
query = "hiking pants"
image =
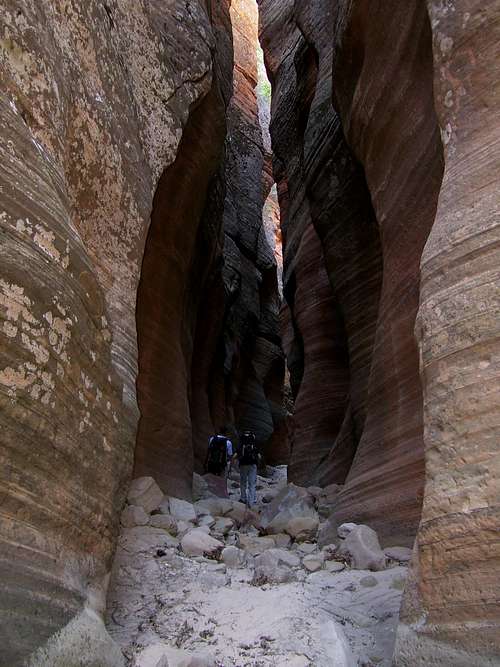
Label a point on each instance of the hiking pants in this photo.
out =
(248, 482)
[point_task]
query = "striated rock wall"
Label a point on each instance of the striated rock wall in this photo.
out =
(451, 613)
(252, 357)
(340, 137)
(93, 109)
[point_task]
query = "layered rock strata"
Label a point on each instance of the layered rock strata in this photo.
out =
(340, 137)
(451, 610)
(108, 105)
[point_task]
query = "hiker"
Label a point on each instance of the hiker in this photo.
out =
(219, 454)
(248, 458)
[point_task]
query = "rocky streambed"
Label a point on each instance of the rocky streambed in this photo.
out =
(213, 584)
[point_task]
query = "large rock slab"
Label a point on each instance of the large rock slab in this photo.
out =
(145, 492)
(197, 542)
(290, 503)
(362, 548)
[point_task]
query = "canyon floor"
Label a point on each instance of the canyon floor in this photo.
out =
(169, 607)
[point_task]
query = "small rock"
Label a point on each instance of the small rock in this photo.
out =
(233, 557)
(213, 506)
(334, 566)
(134, 515)
(145, 493)
(164, 521)
(401, 554)
(315, 491)
(183, 527)
(197, 543)
(346, 529)
(284, 556)
(181, 510)
(270, 569)
(327, 533)
(307, 548)
(206, 520)
(313, 562)
(223, 525)
(362, 548)
(282, 540)
(368, 582)
(256, 545)
(302, 528)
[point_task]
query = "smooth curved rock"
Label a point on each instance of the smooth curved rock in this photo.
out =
(451, 608)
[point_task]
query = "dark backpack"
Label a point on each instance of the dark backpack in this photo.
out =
(249, 451)
(217, 454)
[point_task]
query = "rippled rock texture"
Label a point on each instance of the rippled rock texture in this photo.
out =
(114, 156)
(356, 148)
(359, 157)
(452, 611)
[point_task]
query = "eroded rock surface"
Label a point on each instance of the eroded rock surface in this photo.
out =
(335, 147)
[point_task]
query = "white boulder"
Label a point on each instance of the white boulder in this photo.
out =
(197, 543)
(145, 493)
(362, 548)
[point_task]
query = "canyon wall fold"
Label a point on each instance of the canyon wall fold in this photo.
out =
(358, 154)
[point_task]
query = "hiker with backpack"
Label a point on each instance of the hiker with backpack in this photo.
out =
(219, 454)
(248, 457)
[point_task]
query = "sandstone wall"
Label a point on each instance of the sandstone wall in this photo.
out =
(94, 101)
(452, 613)
(358, 147)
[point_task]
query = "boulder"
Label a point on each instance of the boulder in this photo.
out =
(145, 493)
(327, 533)
(313, 562)
(255, 545)
(152, 656)
(134, 515)
(184, 527)
(362, 548)
(200, 487)
(269, 568)
(282, 540)
(315, 491)
(146, 539)
(233, 557)
(182, 510)
(164, 521)
(307, 548)
(334, 566)
(214, 506)
(223, 525)
(401, 554)
(302, 528)
(197, 543)
(291, 502)
(345, 529)
(206, 520)
(167, 656)
(285, 556)
(239, 512)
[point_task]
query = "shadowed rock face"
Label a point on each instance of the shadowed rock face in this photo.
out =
(358, 147)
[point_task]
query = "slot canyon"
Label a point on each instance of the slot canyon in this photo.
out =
(268, 215)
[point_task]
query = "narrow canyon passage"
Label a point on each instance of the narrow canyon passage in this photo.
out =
(277, 216)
